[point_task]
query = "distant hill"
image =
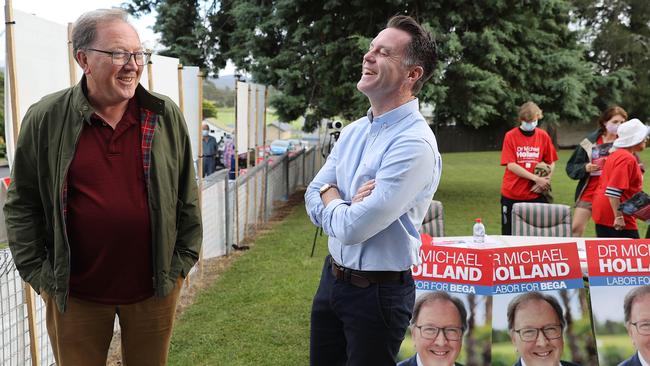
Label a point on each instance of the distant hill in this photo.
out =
(223, 82)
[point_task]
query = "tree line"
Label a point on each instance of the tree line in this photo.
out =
(572, 57)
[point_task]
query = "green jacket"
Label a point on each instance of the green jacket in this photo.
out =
(34, 207)
(575, 167)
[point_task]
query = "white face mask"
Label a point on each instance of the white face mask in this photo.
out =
(528, 126)
(205, 132)
(611, 127)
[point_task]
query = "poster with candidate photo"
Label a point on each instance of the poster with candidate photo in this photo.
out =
(453, 323)
(541, 312)
(619, 280)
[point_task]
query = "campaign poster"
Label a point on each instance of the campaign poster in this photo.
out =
(619, 280)
(541, 312)
(453, 324)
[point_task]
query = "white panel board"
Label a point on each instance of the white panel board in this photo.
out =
(191, 106)
(41, 53)
(261, 112)
(242, 117)
(165, 76)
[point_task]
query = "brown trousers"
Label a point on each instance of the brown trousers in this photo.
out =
(82, 335)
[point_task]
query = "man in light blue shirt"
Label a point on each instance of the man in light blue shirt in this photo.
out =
(370, 197)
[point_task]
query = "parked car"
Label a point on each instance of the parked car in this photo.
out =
(279, 147)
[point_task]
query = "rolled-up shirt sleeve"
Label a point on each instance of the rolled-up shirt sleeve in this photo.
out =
(404, 171)
(313, 201)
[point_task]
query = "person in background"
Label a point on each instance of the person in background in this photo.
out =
(209, 151)
(102, 211)
(524, 147)
(587, 162)
(437, 326)
(620, 180)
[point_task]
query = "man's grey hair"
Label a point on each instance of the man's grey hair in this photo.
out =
(429, 297)
(631, 297)
(84, 30)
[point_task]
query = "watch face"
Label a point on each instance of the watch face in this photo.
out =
(325, 187)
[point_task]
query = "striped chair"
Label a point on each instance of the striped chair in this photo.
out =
(541, 219)
(434, 223)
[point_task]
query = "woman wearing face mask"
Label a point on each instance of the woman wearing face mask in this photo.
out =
(587, 162)
(523, 148)
(621, 179)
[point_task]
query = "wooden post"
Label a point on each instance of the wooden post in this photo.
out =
(264, 181)
(236, 167)
(33, 330)
(150, 74)
(200, 160)
(72, 61)
(180, 89)
(255, 212)
(248, 159)
(11, 71)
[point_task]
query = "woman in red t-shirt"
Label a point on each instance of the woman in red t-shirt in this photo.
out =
(621, 179)
(523, 148)
(587, 162)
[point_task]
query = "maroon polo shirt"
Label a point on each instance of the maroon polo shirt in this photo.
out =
(107, 213)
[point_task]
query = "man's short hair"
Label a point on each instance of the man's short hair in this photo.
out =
(439, 295)
(84, 30)
(529, 111)
(421, 51)
(631, 297)
(533, 296)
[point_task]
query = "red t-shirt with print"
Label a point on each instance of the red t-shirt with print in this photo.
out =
(526, 151)
(621, 172)
(592, 184)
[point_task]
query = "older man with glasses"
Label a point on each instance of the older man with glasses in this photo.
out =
(536, 324)
(102, 212)
(637, 321)
(437, 327)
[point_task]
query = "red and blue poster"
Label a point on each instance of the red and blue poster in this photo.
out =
(536, 268)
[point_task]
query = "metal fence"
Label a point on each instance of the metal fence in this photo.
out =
(232, 210)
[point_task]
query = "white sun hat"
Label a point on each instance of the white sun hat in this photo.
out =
(631, 133)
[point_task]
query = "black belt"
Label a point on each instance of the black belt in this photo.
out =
(363, 279)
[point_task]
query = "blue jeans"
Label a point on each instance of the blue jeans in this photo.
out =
(359, 326)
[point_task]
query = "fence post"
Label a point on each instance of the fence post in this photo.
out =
(286, 177)
(265, 191)
(227, 212)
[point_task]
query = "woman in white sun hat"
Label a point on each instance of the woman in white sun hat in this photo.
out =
(621, 179)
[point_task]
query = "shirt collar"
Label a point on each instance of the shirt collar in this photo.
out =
(524, 363)
(642, 360)
(395, 115)
(417, 358)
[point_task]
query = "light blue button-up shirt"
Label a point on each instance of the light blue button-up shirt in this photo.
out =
(400, 152)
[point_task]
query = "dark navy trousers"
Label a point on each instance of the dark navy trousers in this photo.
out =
(352, 326)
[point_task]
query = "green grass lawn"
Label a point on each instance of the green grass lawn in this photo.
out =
(257, 312)
(227, 115)
(3, 245)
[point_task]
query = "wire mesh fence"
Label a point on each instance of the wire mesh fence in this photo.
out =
(232, 210)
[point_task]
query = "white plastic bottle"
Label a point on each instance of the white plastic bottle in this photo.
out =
(478, 232)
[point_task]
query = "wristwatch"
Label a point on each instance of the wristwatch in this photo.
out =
(326, 187)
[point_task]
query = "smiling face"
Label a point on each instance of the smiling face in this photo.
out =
(640, 312)
(439, 313)
(111, 85)
(541, 351)
(384, 75)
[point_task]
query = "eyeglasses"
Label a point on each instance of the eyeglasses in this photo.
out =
(450, 333)
(643, 327)
(531, 334)
(123, 58)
